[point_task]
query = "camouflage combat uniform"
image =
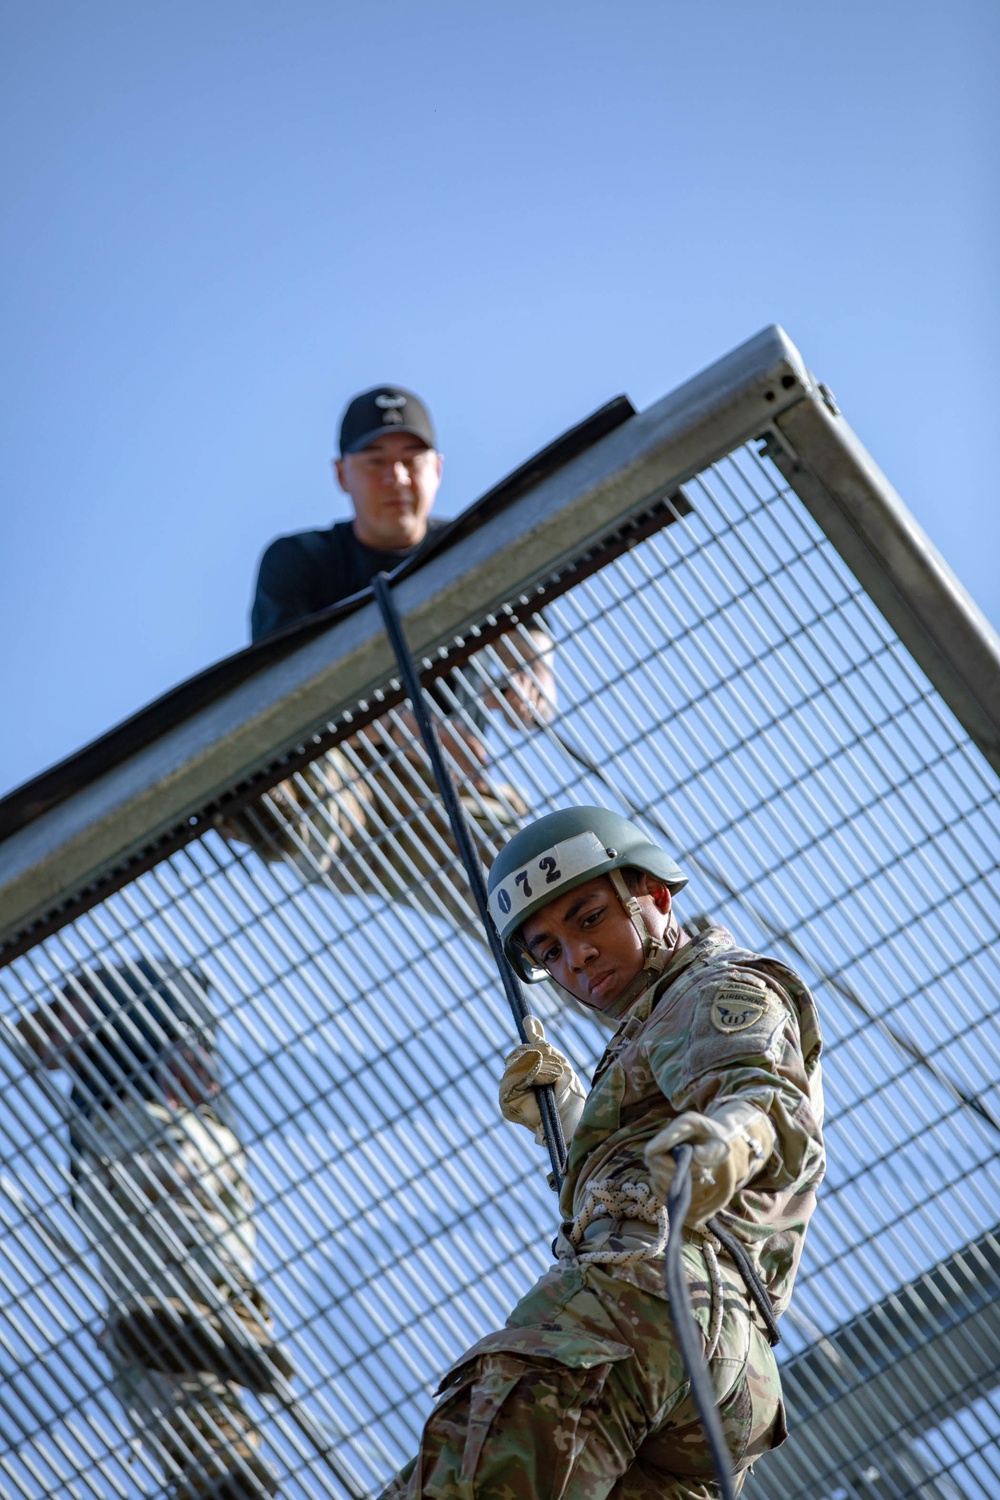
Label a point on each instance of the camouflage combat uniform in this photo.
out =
(583, 1394)
(163, 1196)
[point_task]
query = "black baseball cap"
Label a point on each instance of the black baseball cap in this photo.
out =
(385, 408)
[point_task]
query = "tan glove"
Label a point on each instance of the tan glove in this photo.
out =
(534, 1063)
(731, 1145)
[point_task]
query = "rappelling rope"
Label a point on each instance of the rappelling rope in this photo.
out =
(551, 1123)
(689, 1338)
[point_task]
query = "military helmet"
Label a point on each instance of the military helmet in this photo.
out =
(556, 853)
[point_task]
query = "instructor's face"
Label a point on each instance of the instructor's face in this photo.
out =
(392, 484)
(587, 942)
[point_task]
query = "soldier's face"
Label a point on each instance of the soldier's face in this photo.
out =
(392, 484)
(586, 940)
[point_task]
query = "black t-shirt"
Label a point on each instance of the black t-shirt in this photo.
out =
(304, 573)
(310, 570)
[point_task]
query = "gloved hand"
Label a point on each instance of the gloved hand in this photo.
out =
(530, 1065)
(731, 1145)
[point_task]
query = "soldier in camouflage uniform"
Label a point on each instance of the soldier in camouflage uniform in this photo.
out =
(583, 1394)
(161, 1193)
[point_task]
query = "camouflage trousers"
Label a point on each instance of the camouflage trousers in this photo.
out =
(583, 1396)
(163, 1199)
(194, 1427)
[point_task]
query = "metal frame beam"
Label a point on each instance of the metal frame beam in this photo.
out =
(761, 388)
(148, 795)
(896, 563)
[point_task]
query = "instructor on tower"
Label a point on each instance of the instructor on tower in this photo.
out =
(376, 787)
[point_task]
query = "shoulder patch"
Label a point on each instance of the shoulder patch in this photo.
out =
(736, 1007)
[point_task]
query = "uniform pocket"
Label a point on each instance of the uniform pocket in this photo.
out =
(753, 1418)
(513, 1413)
(577, 1351)
(748, 1394)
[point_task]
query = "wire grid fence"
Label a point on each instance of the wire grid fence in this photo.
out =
(728, 683)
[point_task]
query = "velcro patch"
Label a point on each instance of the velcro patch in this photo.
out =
(737, 1007)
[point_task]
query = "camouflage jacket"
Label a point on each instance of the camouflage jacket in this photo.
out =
(720, 1023)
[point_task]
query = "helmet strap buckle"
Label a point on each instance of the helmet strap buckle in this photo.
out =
(655, 952)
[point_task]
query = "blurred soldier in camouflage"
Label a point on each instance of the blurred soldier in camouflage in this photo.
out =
(583, 1394)
(161, 1193)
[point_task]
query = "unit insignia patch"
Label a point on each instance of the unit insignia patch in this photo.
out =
(736, 1007)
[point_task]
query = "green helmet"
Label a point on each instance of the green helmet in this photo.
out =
(558, 852)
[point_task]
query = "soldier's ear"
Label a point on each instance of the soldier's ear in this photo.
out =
(659, 893)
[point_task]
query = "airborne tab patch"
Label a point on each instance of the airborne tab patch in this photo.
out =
(737, 1006)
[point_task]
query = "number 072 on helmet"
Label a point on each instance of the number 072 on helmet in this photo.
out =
(558, 852)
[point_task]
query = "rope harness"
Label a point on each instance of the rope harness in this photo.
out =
(636, 1200)
(618, 1201)
(621, 1201)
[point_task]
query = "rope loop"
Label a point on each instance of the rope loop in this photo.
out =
(620, 1200)
(710, 1249)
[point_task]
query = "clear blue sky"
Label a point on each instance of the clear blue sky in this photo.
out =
(224, 218)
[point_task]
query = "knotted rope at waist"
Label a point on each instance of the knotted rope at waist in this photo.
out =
(620, 1200)
(636, 1200)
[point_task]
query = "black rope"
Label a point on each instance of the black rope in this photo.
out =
(551, 1123)
(689, 1338)
(756, 1288)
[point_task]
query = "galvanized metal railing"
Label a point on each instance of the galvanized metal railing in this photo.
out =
(717, 618)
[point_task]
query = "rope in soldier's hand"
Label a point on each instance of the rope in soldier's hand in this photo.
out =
(463, 839)
(689, 1339)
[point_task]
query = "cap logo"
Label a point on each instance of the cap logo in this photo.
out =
(544, 876)
(384, 401)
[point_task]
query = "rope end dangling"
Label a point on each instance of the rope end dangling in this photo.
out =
(689, 1337)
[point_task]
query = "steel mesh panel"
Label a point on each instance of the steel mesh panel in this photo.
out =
(728, 682)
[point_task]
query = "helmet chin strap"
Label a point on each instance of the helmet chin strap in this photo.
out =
(656, 952)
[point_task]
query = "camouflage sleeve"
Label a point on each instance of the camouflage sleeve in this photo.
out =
(744, 1040)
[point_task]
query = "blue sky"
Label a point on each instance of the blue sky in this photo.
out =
(222, 220)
